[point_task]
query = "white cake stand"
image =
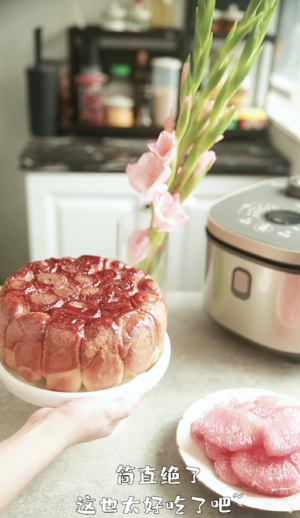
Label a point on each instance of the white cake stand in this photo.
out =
(38, 394)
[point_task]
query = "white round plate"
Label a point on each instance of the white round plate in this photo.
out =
(193, 453)
(38, 394)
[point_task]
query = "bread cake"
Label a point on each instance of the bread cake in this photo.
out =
(89, 321)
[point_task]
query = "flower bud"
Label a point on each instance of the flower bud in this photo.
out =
(169, 124)
(185, 71)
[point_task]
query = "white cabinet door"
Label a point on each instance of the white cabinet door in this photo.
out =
(75, 214)
(187, 245)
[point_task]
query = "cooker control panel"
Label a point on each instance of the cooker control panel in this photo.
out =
(266, 212)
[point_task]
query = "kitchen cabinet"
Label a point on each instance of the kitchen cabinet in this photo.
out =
(70, 214)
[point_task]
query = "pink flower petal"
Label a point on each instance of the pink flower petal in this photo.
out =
(169, 124)
(220, 137)
(148, 175)
(168, 214)
(207, 159)
(164, 147)
(138, 245)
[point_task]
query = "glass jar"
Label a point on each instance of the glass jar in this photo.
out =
(90, 98)
(165, 88)
(119, 97)
(119, 112)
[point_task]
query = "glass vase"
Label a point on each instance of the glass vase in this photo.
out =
(155, 263)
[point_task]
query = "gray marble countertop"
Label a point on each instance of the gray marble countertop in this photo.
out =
(205, 358)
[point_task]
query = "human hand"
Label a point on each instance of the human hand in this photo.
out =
(48, 431)
(85, 419)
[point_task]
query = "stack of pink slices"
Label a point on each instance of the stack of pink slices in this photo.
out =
(254, 444)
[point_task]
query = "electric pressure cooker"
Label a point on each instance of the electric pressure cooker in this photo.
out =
(252, 284)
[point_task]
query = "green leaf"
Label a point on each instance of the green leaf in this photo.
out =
(212, 83)
(201, 66)
(240, 75)
(266, 21)
(206, 142)
(183, 119)
(263, 6)
(240, 33)
(252, 42)
(252, 8)
(224, 49)
(197, 40)
(204, 132)
(207, 21)
(201, 10)
(191, 186)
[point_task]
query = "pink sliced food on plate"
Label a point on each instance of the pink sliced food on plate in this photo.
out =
(272, 476)
(213, 451)
(224, 470)
(281, 435)
(295, 458)
(266, 401)
(230, 428)
(268, 412)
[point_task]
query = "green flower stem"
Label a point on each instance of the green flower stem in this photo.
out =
(190, 137)
(158, 243)
(201, 66)
(184, 118)
(157, 256)
(173, 174)
(206, 142)
(197, 132)
(191, 186)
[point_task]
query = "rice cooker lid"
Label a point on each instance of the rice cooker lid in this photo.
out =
(263, 220)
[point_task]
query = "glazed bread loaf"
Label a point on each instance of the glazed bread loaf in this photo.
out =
(88, 321)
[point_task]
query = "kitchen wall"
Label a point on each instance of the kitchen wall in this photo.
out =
(288, 146)
(18, 18)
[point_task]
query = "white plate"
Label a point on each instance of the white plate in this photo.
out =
(38, 394)
(193, 453)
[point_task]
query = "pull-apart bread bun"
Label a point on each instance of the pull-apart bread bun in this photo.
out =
(88, 321)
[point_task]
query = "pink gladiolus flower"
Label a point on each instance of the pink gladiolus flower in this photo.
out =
(185, 71)
(148, 176)
(164, 147)
(169, 124)
(138, 245)
(168, 214)
(207, 159)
